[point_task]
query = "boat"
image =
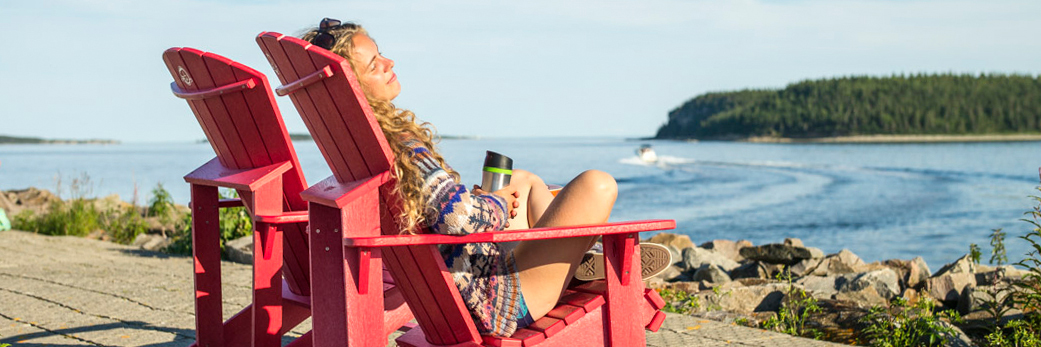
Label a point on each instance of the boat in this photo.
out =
(646, 153)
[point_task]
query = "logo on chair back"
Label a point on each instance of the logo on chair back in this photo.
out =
(184, 75)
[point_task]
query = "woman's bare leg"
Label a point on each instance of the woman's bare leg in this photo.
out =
(534, 196)
(546, 266)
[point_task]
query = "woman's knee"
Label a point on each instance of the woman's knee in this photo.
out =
(600, 182)
(527, 178)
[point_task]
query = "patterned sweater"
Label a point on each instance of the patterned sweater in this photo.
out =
(486, 276)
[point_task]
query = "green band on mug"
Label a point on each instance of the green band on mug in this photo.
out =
(498, 170)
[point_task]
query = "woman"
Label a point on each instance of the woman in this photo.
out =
(504, 289)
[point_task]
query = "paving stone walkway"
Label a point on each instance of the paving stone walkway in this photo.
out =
(70, 291)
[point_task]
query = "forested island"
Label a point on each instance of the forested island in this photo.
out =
(36, 140)
(944, 104)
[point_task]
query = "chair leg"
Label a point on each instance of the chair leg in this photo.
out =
(209, 318)
(622, 258)
(267, 286)
(342, 313)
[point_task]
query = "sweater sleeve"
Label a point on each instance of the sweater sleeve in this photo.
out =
(451, 208)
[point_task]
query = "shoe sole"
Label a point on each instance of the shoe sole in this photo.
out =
(654, 259)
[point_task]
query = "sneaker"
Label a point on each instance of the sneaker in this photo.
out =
(654, 259)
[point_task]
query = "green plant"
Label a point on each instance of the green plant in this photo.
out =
(909, 325)
(997, 244)
(795, 311)
(234, 223)
(678, 301)
(974, 253)
(1029, 294)
(75, 218)
(714, 302)
(1016, 333)
(123, 225)
(161, 205)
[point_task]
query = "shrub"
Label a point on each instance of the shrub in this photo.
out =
(234, 223)
(795, 311)
(678, 301)
(903, 325)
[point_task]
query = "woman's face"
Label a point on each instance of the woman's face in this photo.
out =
(375, 72)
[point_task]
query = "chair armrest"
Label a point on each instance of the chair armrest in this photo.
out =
(512, 235)
(214, 174)
(332, 193)
(284, 218)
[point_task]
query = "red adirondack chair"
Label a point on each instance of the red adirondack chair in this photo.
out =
(354, 212)
(236, 109)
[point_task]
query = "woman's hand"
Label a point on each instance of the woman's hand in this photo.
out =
(509, 194)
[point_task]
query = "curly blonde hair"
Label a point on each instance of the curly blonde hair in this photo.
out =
(398, 125)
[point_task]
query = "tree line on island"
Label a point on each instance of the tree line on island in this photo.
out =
(861, 105)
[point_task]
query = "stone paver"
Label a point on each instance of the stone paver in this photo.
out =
(70, 291)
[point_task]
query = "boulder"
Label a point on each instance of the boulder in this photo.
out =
(677, 242)
(746, 300)
(728, 248)
(920, 272)
(975, 298)
(712, 274)
(794, 242)
(883, 281)
(820, 287)
(776, 253)
(151, 242)
(752, 269)
(843, 262)
(240, 250)
(695, 257)
(865, 297)
(948, 287)
(805, 267)
(962, 265)
(673, 273)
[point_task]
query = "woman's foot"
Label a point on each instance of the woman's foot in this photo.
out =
(654, 259)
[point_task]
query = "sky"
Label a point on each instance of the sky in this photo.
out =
(93, 68)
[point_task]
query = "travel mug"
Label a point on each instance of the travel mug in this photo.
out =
(497, 171)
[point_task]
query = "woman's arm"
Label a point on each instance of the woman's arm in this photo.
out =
(450, 207)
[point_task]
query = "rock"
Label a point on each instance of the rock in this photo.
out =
(866, 297)
(949, 287)
(776, 253)
(911, 296)
(883, 281)
(805, 267)
(677, 242)
(240, 250)
(901, 267)
(151, 242)
(746, 300)
(751, 269)
(957, 337)
(919, 272)
(843, 262)
(975, 298)
(794, 242)
(673, 273)
(962, 265)
(686, 287)
(712, 274)
(821, 287)
(815, 253)
(728, 248)
(694, 258)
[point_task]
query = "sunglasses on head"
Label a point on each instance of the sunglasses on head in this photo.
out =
(324, 39)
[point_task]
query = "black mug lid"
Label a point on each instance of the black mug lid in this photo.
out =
(492, 159)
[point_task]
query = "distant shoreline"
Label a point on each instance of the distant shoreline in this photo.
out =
(14, 140)
(889, 139)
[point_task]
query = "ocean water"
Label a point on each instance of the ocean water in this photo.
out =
(881, 201)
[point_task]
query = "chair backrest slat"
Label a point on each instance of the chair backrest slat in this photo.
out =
(246, 131)
(343, 125)
(350, 144)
